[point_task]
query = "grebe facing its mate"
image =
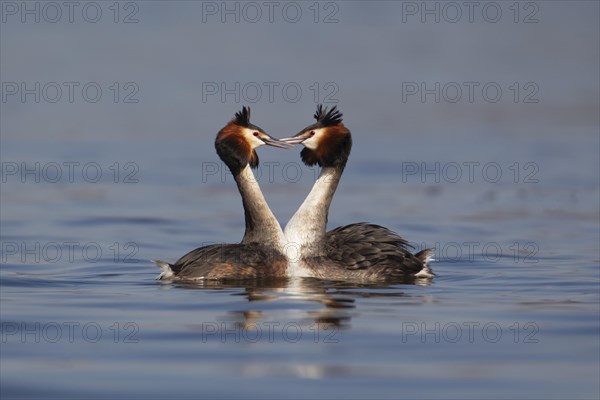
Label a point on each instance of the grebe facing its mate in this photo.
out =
(356, 252)
(259, 254)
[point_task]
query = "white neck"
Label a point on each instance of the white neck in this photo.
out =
(306, 229)
(261, 225)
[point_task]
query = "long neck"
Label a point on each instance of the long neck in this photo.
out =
(261, 224)
(308, 225)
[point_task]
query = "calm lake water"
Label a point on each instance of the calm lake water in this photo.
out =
(507, 192)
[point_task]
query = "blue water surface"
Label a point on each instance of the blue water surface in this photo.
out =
(506, 192)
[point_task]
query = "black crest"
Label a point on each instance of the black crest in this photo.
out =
(326, 117)
(243, 117)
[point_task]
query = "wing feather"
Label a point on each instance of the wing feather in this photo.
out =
(363, 246)
(229, 261)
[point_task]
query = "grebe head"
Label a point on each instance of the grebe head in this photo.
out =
(236, 143)
(327, 142)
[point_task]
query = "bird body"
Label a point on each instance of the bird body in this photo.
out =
(227, 262)
(259, 255)
(356, 252)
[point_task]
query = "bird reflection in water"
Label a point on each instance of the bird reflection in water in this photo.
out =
(337, 300)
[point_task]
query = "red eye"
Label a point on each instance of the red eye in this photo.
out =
(255, 133)
(312, 133)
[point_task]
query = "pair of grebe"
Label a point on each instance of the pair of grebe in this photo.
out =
(358, 252)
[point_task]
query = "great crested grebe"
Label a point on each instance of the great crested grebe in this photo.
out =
(259, 254)
(356, 252)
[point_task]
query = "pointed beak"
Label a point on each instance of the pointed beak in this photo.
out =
(297, 139)
(271, 141)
